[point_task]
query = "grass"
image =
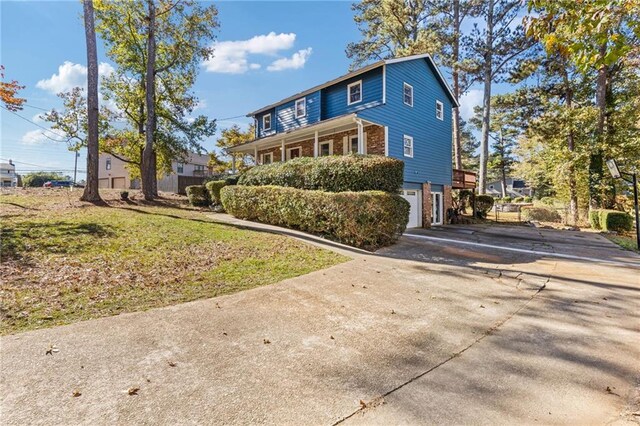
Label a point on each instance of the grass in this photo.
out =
(626, 241)
(65, 261)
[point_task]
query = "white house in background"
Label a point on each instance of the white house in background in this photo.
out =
(515, 188)
(113, 173)
(8, 177)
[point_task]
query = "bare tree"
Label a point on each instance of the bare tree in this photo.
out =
(91, 192)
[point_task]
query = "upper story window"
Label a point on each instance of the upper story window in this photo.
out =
(266, 122)
(199, 167)
(180, 167)
(108, 163)
(439, 110)
(407, 94)
(301, 107)
(408, 146)
(354, 93)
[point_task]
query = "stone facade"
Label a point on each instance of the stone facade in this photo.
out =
(374, 137)
(426, 205)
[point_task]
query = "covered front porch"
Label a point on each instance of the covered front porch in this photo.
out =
(338, 136)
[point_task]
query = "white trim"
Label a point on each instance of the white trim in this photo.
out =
(441, 105)
(266, 154)
(291, 149)
(349, 86)
(316, 149)
(295, 108)
(264, 127)
(384, 84)
(330, 142)
(255, 155)
(282, 152)
(439, 207)
(360, 136)
(348, 144)
(404, 86)
(386, 141)
(412, 147)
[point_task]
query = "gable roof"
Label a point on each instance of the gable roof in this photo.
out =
(362, 70)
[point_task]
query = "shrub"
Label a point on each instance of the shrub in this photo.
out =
(213, 189)
(527, 199)
(549, 201)
(506, 199)
(518, 199)
(614, 220)
(231, 180)
(368, 219)
(333, 174)
(540, 214)
(197, 195)
(37, 179)
(594, 219)
(484, 203)
(124, 195)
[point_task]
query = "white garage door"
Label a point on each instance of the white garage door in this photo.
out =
(414, 197)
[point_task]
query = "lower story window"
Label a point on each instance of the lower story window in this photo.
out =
(294, 153)
(353, 144)
(408, 146)
(267, 158)
(326, 148)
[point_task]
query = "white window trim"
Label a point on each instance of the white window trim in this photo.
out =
(291, 149)
(266, 154)
(264, 126)
(351, 138)
(440, 207)
(107, 163)
(403, 100)
(411, 139)
(303, 100)
(355, 83)
(330, 142)
(441, 105)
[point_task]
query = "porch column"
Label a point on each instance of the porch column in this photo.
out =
(360, 137)
(233, 164)
(283, 157)
(315, 144)
(255, 154)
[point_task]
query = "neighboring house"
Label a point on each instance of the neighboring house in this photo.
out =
(8, 177)
(113, 173)
(399, 108)
(515, 188)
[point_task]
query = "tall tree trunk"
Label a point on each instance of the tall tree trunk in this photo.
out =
(91, 192)
(573, 190)
(457, 143)
(595, 159)
(486, 102)
(148, 157)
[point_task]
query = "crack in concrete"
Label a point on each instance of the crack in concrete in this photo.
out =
(380, 400)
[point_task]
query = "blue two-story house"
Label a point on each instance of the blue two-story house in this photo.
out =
(399, 108)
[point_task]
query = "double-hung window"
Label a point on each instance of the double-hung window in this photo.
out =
(439, 110)
(267, 158)
(326, 148)
(266, 122)
(301, 107)
(108, 164)
(180, 168)
(354, 93)
(408, 146)
(407, 94)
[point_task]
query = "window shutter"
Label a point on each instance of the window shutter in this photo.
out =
(345, 145)
(364, 142)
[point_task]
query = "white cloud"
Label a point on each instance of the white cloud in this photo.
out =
(296, 61)
(38, 118)
(468, 101)
(70, 75)
(37, 137)
(231, 57)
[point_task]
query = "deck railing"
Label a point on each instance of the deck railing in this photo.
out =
(464, 179)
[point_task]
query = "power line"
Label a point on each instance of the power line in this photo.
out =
(34, 123)
(35, 107)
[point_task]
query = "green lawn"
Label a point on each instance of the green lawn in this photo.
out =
(626, 241)
(66, 261)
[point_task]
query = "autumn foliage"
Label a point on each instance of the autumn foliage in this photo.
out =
(8, 91)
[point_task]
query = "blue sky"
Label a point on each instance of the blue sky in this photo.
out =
(266, 51)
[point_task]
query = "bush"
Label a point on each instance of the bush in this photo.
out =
(38, 179)
(549, 201)
(368, 219)
(484, 203)
(527, 199)
(518, 199)
(333, 174)
(540, 214)
(594, 219)
(197, 195)
(231, 180)
(124, 195)
(614, 220)
(506, 199)
(213, 189)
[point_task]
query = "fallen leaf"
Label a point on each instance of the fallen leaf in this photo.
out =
(609, 389)
(52, 349)
(172, 364)
(363, 404)
(76, 393)
(332, 338)
(266, 341)
(482, 306)
(224, 333)
(364, 286)
(133, 391)
(393, 312)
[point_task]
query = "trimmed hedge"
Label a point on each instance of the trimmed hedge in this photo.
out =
(213, 188)
(338, 173)
(540, 214)
(367, 219)
(610, 220)
(484, 203)
(197, 195)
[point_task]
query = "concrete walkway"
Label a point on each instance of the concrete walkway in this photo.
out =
(421, 332)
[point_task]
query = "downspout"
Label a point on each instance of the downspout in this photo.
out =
(360, 136)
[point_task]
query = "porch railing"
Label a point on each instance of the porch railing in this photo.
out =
(464, 179)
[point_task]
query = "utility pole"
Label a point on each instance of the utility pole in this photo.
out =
(75, 168)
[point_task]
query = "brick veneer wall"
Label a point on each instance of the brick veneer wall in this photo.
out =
(375, 143)
(447, 202)
(426, 205)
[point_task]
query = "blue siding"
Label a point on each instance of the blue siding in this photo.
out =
(334, 98)
(431, 160)
(285, 113)
(261, 132)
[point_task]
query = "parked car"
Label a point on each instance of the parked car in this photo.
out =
(58, 184)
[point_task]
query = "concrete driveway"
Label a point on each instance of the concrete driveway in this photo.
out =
(460, 325)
